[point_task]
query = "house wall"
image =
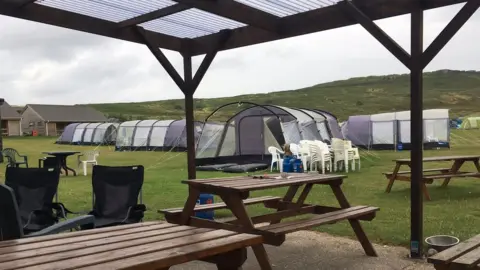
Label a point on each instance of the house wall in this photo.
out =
(52, 129)
(32, 121)
(13, 128)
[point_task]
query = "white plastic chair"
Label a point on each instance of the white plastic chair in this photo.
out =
(276, 158)
(356, 153)
(305, 154)
(341, 154)
(90, 157)
(320, 156)
(295, 149)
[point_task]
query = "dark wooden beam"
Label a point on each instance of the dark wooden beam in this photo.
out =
(153, 15)
(74, 21)
(416, 134)
(162, 59)
(238, 12)
(207, 61)
(189, 116)
(382, 37)
(20, 3)
(326, 18)
(450, 30)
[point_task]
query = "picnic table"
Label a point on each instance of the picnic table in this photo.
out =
(61, 157)
(148, 245)
(436, 173)
(235, 192)
(465, 255)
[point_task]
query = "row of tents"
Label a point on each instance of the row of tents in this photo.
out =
(237, 132)
(151, 135)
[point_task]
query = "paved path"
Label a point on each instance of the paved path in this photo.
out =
(308, 250)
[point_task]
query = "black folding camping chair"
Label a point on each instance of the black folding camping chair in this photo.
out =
(11, 226)
(35, 189)
(116, 192)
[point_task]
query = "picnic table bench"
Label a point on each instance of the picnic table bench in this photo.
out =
(465, 255)
(148, 245)
(435, 173)
(234, 191)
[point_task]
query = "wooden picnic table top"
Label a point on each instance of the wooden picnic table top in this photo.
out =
(148, 245)
(251, 183)
(442, 158)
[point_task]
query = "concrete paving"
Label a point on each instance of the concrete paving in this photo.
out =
(308, 250)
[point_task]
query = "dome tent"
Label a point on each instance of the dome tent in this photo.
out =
(153, 135)
(386, 131)
(67, 134)
(249, 129)
(89, 134)
(470, 123)
(327, 124)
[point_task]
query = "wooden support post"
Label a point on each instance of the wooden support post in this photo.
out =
(1, 133)
(188, 84)
(416, 62)
(189, 90)
(416, 129)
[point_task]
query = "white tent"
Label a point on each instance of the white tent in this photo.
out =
(392, 130)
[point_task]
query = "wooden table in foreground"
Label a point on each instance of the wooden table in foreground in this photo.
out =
(465, 255)
(433, 174)
(145, 246)
(234, 192)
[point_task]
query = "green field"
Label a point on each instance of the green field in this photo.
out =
(454, 210)
(458, 91)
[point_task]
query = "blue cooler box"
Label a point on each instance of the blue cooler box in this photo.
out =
(298, 166)
(205, 199)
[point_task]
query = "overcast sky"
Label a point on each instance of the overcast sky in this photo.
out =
(46, 64)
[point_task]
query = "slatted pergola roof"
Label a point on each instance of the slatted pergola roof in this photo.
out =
(169, 22)
(195, 27)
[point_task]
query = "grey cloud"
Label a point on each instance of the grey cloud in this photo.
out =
(45, 64)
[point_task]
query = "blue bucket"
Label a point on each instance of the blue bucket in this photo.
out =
(205, 199)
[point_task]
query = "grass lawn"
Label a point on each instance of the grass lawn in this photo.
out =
(454, 210)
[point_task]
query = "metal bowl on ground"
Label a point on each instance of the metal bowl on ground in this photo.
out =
(441, 242)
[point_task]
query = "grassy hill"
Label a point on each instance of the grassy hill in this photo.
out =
(455, 90)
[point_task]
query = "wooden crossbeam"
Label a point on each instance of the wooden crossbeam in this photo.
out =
(450, 30)
(153, 15)
(382, 37)
(238, 12)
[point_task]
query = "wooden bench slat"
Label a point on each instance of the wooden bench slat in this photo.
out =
(327, 218)
(471, 174)
(472, 258)
(83, 238)
(37, 239)
(222, 205)
(42, 251)
(91, 256)
(166, 258)
(425, 170)
(454, 252)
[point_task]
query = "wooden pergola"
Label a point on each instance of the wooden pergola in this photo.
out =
(196, 27)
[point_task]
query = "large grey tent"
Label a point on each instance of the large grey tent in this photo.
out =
(89, 134)
(388, 131)
(153, 135)
(246, 135)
